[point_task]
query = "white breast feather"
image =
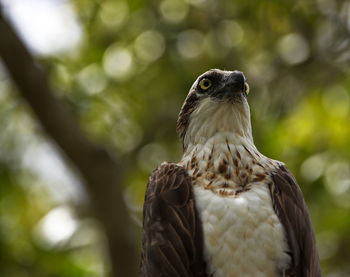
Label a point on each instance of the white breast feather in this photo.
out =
(242, 235)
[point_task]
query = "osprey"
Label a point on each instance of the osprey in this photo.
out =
(224, 209)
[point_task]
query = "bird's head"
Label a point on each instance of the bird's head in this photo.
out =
(217, 102)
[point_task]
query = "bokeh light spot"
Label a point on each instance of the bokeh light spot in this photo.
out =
(293, 48)
(49, 27)
(230, 33)
(117, 62)
(56, 227)
(190, 43)
(313, 167)
(173, 11)
(92, 79)
(114, 14)
(338, 177)
(149, 46)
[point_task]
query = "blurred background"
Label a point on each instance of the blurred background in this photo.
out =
(124, 69)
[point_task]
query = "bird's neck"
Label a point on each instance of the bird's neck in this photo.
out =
(217, 144)
(218, 119)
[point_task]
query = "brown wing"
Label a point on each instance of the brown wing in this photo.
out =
(172, 233)
(291, 209)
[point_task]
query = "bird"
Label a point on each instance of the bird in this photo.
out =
(224, 209)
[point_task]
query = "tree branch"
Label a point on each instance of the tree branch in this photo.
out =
(101, 173)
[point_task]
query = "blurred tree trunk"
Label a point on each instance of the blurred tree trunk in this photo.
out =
(100, 172)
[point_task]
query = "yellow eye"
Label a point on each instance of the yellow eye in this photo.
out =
(205, 84)
(246, 88)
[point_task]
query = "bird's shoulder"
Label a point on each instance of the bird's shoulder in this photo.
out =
(289, 205)
(172, 231)
(168, 176)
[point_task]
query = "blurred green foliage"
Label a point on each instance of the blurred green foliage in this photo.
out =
(126, 81)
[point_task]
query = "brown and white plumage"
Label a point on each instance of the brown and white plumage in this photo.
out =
(173, 242)
(225, 209)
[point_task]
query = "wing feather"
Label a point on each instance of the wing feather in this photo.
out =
(291, 209)
(172, 233)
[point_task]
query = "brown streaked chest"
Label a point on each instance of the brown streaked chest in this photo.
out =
(225, 167)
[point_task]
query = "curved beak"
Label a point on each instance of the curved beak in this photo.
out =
(234, 86)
